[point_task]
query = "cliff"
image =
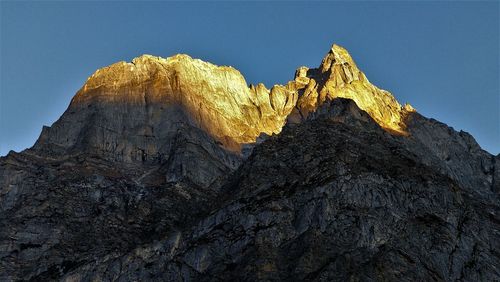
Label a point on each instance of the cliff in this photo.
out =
(175, 170)
(135, 99)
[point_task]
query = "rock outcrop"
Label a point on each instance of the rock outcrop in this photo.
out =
(138, 98)
(175, 170)
(136, 106)
(339, 77)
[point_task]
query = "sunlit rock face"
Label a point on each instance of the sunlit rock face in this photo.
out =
(338, 76)
(151, 94)
(216, 98)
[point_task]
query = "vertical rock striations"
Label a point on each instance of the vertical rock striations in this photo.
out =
(150, 95)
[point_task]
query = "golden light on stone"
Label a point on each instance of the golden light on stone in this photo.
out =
(219, 101)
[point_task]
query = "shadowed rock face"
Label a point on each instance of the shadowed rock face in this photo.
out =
(143, 178)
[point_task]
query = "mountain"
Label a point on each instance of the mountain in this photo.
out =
(175, 169)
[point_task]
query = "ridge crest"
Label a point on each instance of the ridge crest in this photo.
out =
(218, 100)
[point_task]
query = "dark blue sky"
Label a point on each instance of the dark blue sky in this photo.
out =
(442, 57)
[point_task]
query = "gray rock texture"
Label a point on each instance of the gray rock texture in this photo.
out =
(58, 211)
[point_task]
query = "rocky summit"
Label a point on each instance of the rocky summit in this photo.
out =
(176, 170)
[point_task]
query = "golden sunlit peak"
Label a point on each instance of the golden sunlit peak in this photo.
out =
(337, 56)
(220, 102)
(338, 76)
(341, 55)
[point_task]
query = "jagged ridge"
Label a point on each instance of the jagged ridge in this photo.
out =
(218, 100)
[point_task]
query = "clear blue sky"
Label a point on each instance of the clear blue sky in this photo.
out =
(442, 57)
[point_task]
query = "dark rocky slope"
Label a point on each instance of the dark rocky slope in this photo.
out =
(60, 211)
(334, 198)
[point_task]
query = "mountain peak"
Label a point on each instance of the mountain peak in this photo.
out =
(337, 56)
(338, 76)
(218, 100)
(137, 181)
